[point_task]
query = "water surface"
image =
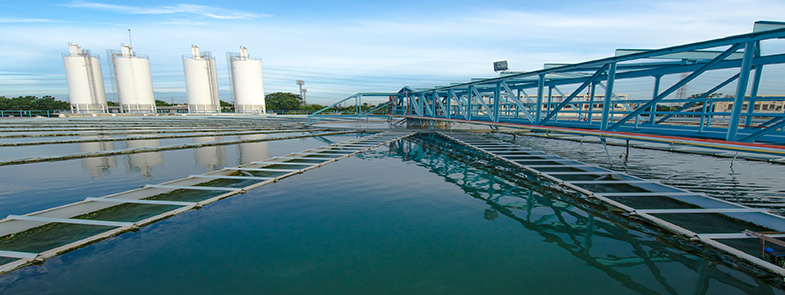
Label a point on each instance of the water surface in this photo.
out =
(404, 219)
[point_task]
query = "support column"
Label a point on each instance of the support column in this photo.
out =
(608, 96)
(469, 101)
(540, 89)
(497, 95)
(449, 104)
(550, 99)
(753, 96)
(653, 108)
(741, 91)
(591, 103)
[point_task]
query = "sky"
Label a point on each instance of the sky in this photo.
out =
(343, 47)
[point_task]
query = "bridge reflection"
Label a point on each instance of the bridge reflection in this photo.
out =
(630, 253)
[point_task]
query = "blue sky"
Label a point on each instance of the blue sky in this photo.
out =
(343, 47)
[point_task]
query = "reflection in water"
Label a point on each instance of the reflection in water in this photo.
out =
(748, 182)
(144, 162)
(98, 166)
(636, 260)
(211, 157)
(250, 152)
(325, 140)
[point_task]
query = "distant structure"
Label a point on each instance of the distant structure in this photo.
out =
(247, 85)
(132, 80)
(85, 80)
(300, 83)
(201, 81)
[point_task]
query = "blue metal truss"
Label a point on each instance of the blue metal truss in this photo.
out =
(505, 99)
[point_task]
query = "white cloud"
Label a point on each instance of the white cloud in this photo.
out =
(407, 50)
(203, 10)
(184, 22)
(5, 20)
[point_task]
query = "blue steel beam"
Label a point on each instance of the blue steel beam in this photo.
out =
(608, 95)
(381, 105)
(437, 97)
(679, 84)
(755, 85)
(497, 95)
(617, 100)
(727, 64)
(448, 111)
(764, 131)
(580, 116)
(566, 101)
(753, 95)
(540, 89)
(433, 104)
(508, 108)
(485, 105)
(469, 101)
(741, 91)
(704, 95)
(653, 108)
(591, 103)
(743, 38)
(461, 107)
(517, 101)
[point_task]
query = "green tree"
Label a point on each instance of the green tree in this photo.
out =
(225, 104)
(696, 95)
(311, 107)
(282, 101)
(30, 102)
(161, 103)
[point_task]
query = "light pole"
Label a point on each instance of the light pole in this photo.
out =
(302, 93)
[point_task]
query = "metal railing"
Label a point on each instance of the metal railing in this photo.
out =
(30, 113)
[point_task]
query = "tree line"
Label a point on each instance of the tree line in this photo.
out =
(287, 101)
(277, 101)
(29, 103)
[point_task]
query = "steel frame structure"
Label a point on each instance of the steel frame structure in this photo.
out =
(505, 99)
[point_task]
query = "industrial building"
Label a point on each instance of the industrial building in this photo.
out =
(247, 83)
(132, 80)
(85, 80)
(201, 82)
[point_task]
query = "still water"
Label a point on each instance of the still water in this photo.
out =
(404, 219)
(748, 182)
(32, 187)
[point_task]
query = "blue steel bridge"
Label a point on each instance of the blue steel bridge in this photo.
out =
(581, 98)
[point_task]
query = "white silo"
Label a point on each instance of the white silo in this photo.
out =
(133, 80)
(85, 80)
(201, 81)
(247, 84)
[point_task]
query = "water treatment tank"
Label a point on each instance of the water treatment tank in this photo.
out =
(133, 80)
(85, 80)
(201, 81)
(247, 85)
